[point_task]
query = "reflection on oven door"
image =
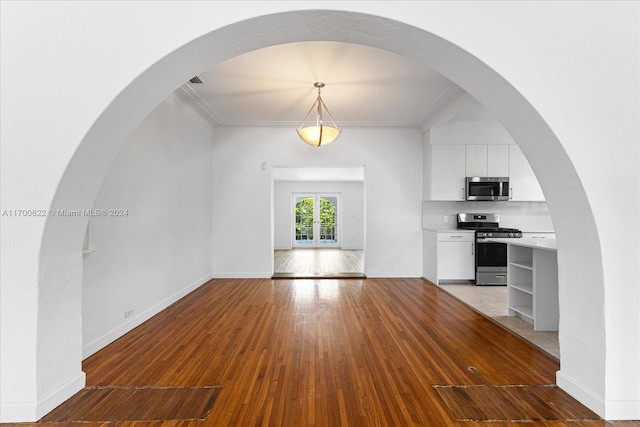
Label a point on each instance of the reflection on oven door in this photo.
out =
(491, 263)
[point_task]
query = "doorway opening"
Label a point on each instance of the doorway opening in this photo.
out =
(318, 222)
(315, 263)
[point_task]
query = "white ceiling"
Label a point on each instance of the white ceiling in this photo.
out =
(364, 86)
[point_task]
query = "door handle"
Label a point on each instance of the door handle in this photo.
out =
(472, 251)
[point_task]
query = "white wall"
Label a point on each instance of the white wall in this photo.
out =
(392, 159)
(575, 114)
(160, 249)
(471, 124)
(351, 214)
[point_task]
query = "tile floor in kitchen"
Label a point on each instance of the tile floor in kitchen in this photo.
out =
(492, 302)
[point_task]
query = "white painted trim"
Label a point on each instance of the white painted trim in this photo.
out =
(318, 173)
(584, 396)
(114, 334)
(283, 248)
(197, 111)
(392, 275)
(14, 412)
(32, 411)
(245, 275)
(622, 410)
(59, 395)
(347, 247)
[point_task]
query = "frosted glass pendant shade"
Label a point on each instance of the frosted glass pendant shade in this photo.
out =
(319, 135)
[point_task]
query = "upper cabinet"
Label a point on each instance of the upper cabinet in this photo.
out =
(476, 160)
(446, 167)
(444, 179)
(523, 183)
(449, 156)
(487, 160)
(498, 160)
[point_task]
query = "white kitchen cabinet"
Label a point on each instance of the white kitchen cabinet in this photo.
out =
(498, 160)
(523, 184)
(449, 255)
(487, 160)
(476, 160)
(445, 178)
(446, 167)
(456, 261)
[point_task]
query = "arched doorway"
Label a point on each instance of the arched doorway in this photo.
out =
(60, 255)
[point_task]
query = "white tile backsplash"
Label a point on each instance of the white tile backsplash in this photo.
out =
(526, 216)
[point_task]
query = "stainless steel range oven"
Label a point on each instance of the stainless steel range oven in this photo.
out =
(491, 257)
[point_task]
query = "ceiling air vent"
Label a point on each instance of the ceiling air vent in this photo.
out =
(196, 81)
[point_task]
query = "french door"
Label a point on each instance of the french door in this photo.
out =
(316, 220)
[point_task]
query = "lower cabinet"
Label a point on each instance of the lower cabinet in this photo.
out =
(449, 256)
(456, 260)
(533, 286)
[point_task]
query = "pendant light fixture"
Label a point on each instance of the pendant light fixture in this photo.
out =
(318, 134)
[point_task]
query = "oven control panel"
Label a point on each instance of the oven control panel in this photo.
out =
(498, 234)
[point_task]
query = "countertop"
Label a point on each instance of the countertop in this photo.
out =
(448, 230)
(548, 243)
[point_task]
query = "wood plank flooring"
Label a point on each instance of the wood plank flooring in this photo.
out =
(317, 263)
(374, 352)
(112, 404)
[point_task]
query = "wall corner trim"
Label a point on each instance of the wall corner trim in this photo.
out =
(577, 390)
(622, 410)
(59, 395)
(13, 412)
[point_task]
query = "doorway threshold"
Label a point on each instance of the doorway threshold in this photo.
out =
(324, 275)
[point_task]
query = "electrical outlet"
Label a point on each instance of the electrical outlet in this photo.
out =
(445, 219)
(128, 313)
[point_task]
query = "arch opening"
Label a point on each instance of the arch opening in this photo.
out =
(60, 268)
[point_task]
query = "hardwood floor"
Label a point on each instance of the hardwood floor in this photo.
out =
(374, 352)
(492, 302)
(316, 263)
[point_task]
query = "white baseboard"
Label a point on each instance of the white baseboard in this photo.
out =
(252, 275)
(391, 275)
(62, 393)
(351, 248)
(106, 339)
(619, 410)
(16, 412)
(581, 394)
(610, 410)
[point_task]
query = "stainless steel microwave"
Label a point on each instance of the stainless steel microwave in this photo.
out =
(487, 188)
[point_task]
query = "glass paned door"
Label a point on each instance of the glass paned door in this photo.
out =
(316, 220)
(304, 214)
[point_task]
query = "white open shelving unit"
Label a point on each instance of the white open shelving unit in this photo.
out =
(533, 286)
